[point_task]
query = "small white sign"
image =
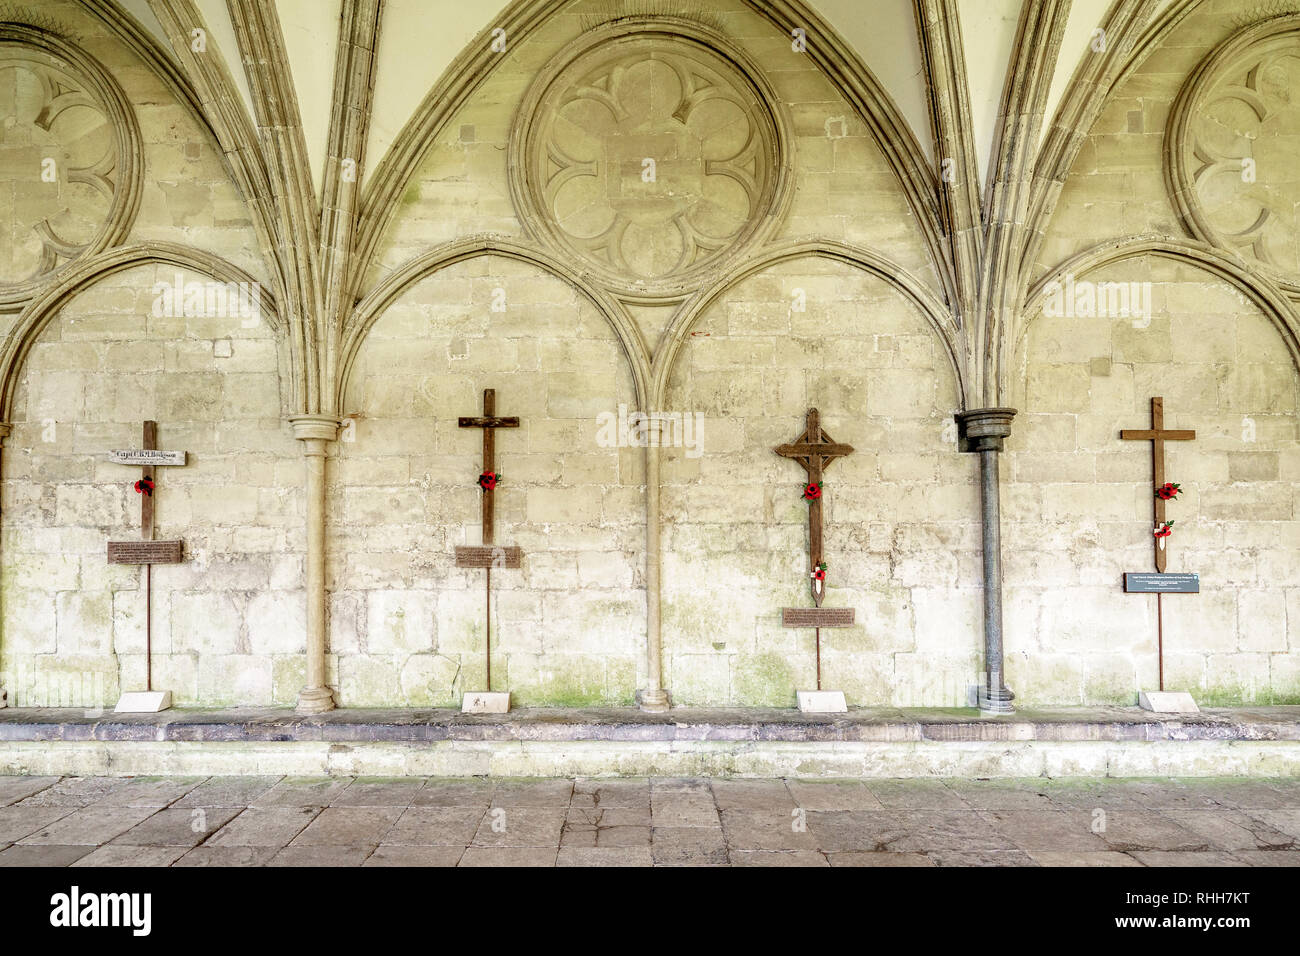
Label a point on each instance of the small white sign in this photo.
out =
(1167, 702)
(822, 702)
(143, 456)
(484, 702)
(143, 702)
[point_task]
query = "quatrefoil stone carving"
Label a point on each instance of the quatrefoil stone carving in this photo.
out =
(652, 158)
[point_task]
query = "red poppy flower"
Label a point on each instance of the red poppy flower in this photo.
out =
(813, 490)
(820, 574)
(144, 487)
(1165, 530)
(488, 480)
(1168, 491)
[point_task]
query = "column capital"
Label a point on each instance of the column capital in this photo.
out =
(316, 427)
(983, 429)
(6, 429)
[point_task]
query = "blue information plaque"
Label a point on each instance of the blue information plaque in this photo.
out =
(1141, 582)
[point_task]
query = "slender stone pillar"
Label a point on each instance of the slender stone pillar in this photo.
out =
(984, 430)
(653, 699)
(5, 430)
(315, 432)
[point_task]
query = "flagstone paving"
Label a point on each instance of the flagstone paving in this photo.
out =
(343, 821)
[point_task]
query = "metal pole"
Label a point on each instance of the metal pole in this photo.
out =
(148, 627)
(1160, 636)
(818, 635)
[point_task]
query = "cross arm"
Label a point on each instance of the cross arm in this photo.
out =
(1148, 434)
(833, 449)
(471, 422)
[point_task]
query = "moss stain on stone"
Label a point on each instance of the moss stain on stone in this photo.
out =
(764, 680)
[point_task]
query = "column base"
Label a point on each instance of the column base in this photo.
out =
(315, 700)
(996, 702)
(654, 702)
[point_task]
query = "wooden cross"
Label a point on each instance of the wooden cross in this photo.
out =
(814, 450)
(1157, 434)
(147, 551)
(489, 555)
(489, 422)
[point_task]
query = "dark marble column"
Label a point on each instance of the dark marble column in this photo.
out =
(982, 432)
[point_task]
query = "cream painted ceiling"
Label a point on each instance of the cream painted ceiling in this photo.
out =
(419, 39)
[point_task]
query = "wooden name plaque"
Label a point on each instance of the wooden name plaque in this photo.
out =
(144, 552)
(146, 456)
(488, 556)
(817, 617)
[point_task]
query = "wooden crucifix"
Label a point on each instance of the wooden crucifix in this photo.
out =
(1160, 583)
(489, 555)
(815, 450)
(146, 551)
(1157, 434)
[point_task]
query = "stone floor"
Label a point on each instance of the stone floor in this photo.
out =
(273, 821)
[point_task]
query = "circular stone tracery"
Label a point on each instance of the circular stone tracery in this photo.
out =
(647, 155)
(1232, 148)
(68, 159)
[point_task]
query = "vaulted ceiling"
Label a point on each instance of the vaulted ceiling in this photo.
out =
(324, 110)
(419, 40)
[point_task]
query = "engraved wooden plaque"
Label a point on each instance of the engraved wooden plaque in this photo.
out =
(146, 456)
(144, 552)
(817, 617)
(488, 556)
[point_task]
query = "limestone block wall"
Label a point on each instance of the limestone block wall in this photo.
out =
(901, 512)
(844, 190)
(187, 195)
(1077, 499)
(227, 623)
(407, 625)
(902, 515)
(1117, 185)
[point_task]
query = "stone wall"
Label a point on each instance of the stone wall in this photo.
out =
(406, 628)
(227, 623)
(901, 512)
(1078, 503)
(407, 625)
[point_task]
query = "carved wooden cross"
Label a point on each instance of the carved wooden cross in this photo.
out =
(147, 551)
(489, 555)
(1157, 434)
(814, 450)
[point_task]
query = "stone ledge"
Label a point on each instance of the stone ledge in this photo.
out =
(613, 724)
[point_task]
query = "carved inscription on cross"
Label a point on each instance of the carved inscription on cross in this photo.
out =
(1157, 434)
(814, 450)
(146, 551)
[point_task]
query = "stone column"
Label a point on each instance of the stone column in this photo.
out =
(5, 430)
(315, 432)
(653, 699)
(984, 430)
